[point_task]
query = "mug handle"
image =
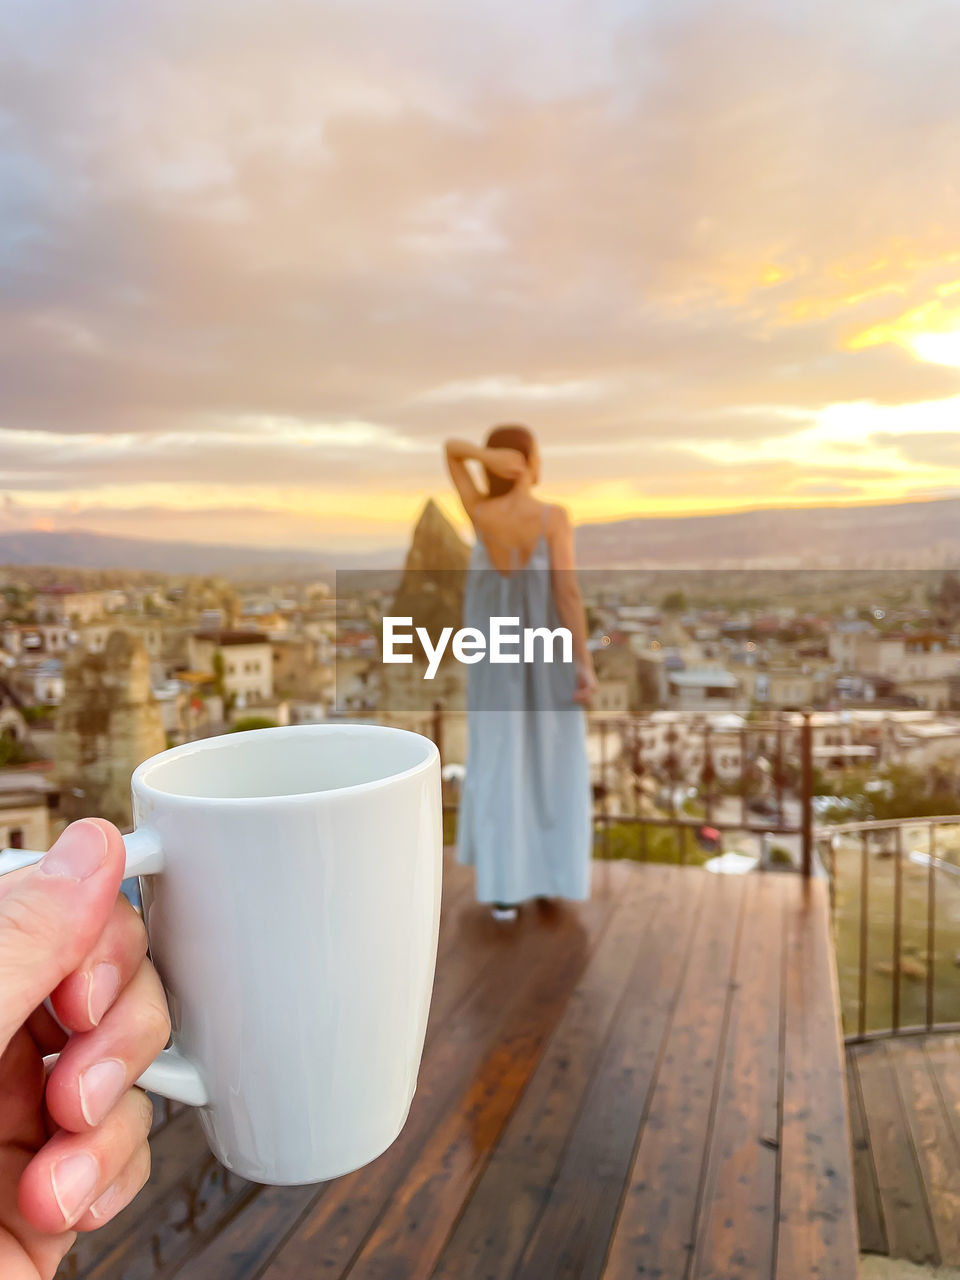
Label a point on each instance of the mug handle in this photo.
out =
(170, 1075)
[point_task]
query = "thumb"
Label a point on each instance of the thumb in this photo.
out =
(53, 914)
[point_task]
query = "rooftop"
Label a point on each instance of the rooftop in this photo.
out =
(713, 679)
(225, 638)
(935, 729)
(650, 1083)
(21, 781)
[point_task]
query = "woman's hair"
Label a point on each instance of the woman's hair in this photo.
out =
(507, 437)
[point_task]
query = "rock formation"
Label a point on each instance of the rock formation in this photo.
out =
(431, 593)
(434, 573)
(436, 543)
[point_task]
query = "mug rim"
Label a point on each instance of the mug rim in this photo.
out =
(223, 741)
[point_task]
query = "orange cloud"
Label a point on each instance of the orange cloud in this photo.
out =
(931, 331)
(267, 265)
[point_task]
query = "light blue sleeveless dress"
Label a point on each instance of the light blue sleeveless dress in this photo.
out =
(525, 813)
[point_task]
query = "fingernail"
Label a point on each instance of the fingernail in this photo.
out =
(74, 1180)
(105, 1205)
(100, 1087)
(78, 853)
(102, 986)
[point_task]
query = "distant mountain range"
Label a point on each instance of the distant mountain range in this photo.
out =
(907, 534)
(78, 549)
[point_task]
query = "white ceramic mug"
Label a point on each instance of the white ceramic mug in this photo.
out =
(292, 902)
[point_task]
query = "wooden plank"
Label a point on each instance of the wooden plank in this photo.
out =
(910, 1231)
(246, 1244)
(817, 1232)
(457, 885)
(656, 1228)
(473, 944)
(465, 946)
(738, 1218)
(943, 1058)
(531, 1110)
(943, 1054)
(178, 1147)
(539, 957)
(871, 1228)
(410, 1234)
(496, 1224)
(163, 1112)
(936, 1150)
(243, 1245)
(177, 1158)
(198, 1207)
(573, 1232)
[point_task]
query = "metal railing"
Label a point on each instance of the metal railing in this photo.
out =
(635, 754)
(880, 886)
(914, 983)
(786, 748)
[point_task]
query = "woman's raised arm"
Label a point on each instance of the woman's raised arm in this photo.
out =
(509, 463)
(458, 453)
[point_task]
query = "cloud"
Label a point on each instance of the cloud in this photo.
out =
(511, 389)
(933, 448)
(662, 226)
(246, 452)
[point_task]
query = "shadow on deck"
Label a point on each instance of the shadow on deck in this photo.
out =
(648, 1084)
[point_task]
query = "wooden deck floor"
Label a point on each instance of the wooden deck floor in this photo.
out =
(650, 1084)
(905, 1114)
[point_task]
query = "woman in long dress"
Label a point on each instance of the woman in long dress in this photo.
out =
(525, 814)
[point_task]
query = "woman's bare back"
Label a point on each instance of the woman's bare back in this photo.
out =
(510, 528)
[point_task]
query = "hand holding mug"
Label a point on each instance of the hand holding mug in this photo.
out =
(291, 887)
(73, 1153)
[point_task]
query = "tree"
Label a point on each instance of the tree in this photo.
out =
(252, 722)
(227, 698)
(12, 751)
(946, 598)
(898, 791)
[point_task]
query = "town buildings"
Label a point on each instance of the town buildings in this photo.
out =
(678, 681)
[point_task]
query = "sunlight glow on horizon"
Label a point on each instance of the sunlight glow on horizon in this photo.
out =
(259, 274)
(931, 331)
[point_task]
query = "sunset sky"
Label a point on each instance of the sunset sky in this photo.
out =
(258, 259)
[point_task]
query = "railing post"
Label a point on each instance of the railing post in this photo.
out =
(744, 811)
(707, 773)
(931, 920)
(889, 840)
(806, 794)
(604, 811)
(436, 727)
(897, 927)
(864, 932)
